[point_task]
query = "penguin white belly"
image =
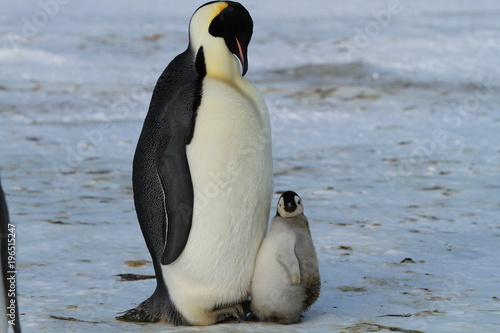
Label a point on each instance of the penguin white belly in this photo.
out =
(230, 161)
(271, 289)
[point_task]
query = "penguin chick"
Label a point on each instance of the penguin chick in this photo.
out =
(286, 279)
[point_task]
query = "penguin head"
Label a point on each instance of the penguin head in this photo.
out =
(221, 29)
(290, 205)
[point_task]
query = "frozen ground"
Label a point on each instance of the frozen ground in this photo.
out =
(388, 128)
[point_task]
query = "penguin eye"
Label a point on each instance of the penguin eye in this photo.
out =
(298, 202)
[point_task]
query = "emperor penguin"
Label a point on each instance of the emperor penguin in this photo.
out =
(202, 174)
(8, 298)
(286, 280)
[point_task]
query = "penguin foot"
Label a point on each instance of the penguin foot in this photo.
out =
(252, 317)
(234, 311)
(157, 308)
(138, 315)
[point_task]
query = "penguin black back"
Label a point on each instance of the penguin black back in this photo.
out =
(167, 129)
(10, 297)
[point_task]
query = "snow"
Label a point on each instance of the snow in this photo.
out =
(388, 130)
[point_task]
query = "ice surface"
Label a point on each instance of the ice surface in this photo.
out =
(385, 117)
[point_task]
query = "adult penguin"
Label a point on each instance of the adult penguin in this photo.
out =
(202, 174)
(8, 298)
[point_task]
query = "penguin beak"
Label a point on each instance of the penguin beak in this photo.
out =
(242, 56)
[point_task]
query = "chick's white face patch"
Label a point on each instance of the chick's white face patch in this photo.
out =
(290, 209)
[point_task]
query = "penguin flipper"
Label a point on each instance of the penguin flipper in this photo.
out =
(288, 259)
(161, 154)
(173, 170)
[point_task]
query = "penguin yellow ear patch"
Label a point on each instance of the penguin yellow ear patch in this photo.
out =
(218, 7)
